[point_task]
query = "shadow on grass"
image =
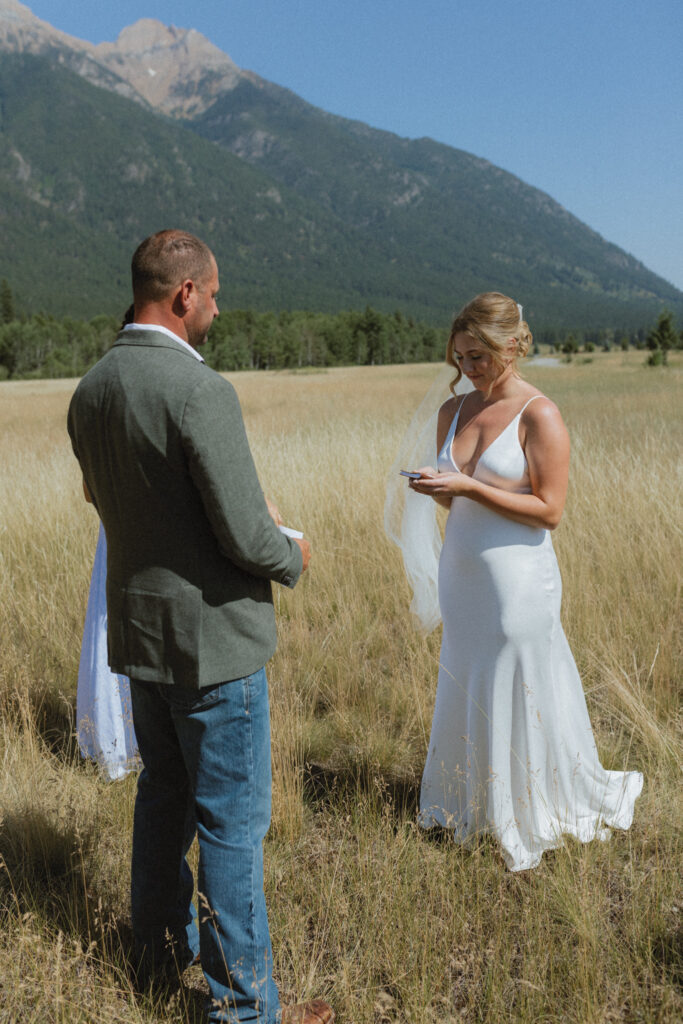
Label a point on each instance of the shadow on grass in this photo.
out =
(397, 800)
(46, 890)
(46, 871)
(54, 716)
(667, 953)
(41, 709)
(46, 874)
(326, 787)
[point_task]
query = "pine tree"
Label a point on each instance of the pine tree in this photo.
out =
(662, 338)
(7, 313)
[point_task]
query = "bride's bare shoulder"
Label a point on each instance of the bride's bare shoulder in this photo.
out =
(446, 414)
(542, 420)
(544, 407)
(450, 407)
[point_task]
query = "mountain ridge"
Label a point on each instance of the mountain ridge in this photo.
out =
(155, 61)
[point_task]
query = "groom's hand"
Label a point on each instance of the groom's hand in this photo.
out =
(305, 546)
(274, 512)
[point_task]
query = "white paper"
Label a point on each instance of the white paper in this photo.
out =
(289, 532)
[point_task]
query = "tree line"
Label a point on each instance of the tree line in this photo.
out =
(659, 339)
(44, 346)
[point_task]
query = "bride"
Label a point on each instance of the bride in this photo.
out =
(511, 750)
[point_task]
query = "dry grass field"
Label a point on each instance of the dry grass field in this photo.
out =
(387, 923)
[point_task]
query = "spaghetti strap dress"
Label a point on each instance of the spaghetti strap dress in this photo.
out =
(511, 750)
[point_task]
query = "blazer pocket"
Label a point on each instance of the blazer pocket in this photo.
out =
(162, 634)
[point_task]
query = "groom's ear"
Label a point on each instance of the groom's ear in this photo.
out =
(186, 294)
(184, 297)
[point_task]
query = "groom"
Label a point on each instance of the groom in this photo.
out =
(192, 550)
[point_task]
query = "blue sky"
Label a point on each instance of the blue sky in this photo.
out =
(583, 99)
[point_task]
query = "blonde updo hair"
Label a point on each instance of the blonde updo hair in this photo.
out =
(494, 320)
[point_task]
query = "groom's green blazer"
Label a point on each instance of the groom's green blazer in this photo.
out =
(191, 547)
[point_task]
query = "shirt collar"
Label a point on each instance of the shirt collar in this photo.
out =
(164, 330)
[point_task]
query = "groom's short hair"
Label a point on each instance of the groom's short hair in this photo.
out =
(164, 260)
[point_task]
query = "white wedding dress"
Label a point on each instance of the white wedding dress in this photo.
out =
(511, 750)
(104, 715)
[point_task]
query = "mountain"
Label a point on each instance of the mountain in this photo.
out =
(71, 211)
(22, 32)
(177, 71)
(101, 144)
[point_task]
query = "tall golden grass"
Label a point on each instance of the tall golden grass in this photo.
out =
(387, 922)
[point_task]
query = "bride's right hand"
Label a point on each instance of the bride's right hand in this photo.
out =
(426, 473)
(429, 473)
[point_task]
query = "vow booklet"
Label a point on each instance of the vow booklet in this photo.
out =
(288, 532)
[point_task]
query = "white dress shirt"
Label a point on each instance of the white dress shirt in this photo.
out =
(164, 330)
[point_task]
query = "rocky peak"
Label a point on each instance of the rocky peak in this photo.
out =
(148, 35)
(176, 70)
(22, 32)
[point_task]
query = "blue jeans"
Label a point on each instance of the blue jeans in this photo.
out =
(206, 757)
